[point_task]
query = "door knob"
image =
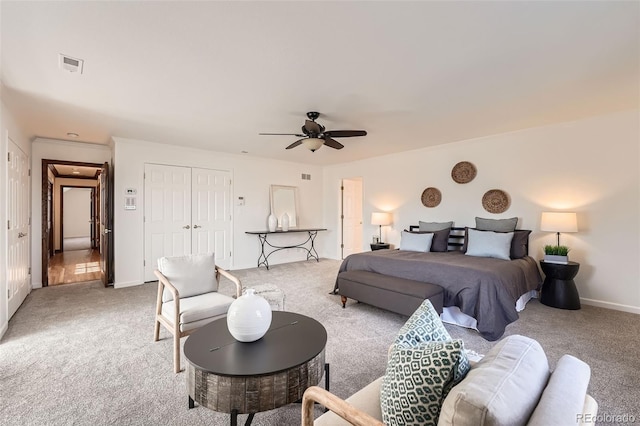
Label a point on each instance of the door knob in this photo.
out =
(196, 226)
(106, 231)
(186, 227)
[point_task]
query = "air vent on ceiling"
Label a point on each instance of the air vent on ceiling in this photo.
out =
(70, 64)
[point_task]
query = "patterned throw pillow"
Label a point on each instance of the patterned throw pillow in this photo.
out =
(417, 381)
(423, 326)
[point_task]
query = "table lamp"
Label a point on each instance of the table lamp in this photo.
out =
(559, 222)
(380, 219)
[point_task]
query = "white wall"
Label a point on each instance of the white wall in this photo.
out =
(9, 128)
(57, 188)
(251, 179)
(77, 212)
(589, 166)
(50, 149)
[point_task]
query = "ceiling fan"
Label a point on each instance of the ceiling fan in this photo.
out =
(314, 135)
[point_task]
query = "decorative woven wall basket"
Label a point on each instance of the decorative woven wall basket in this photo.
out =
(495, 201)
(463, 172)
(431, 197)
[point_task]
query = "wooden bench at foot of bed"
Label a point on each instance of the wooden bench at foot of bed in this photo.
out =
(397, 295)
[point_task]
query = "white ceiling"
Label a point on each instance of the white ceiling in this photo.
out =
(413, 74)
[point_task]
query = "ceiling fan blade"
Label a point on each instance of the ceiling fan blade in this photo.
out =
(345, 133)
(281, 134)
(332, 143)
(296, 143)
(312, 127)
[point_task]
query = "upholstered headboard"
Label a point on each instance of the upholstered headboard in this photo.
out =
(456, 237)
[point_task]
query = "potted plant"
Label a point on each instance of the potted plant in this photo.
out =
(556, 254)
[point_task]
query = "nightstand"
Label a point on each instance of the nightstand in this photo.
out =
(379, 246)
(559, 290)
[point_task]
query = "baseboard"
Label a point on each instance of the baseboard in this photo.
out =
(127, 284)
(609, 305)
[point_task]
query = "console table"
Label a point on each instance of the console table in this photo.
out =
(272, 248)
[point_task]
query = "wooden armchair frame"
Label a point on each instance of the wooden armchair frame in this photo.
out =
(339, 406)
(174, 327)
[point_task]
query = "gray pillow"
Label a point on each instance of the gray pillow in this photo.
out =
(520, 244)
(416, 242)
(497, 225)
(434, 226)
(440, 242)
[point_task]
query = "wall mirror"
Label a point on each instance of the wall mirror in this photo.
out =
(284, 199)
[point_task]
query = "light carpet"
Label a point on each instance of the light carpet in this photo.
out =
(83, 354)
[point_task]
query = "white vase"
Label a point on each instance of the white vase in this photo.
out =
(284, 222)
(249, 317)
(272, 222)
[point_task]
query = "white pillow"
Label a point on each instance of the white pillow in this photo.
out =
(191, 275)
(415, 242)
(489, 244)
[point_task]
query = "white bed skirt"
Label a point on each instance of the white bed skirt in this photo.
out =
(453, 314)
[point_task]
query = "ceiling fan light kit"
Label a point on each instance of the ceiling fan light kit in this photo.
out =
(314, 135)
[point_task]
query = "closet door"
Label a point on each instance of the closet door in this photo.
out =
(211, 214)
(167, 214)
(18, 239)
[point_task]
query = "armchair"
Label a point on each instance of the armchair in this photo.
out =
(188, 296)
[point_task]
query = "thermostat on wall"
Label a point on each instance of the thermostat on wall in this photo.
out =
(130, 191)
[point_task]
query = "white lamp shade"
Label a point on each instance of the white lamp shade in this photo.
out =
(380, 218)
(559, 222)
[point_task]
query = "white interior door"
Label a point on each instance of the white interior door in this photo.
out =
(211, 214)
(18, 270)
(351, 216)
(167, 214)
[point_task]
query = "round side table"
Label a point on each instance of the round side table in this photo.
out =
(559, 290)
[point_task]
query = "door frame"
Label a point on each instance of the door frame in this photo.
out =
(46, 238)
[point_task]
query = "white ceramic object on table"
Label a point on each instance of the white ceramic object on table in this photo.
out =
(249, 317)
(284, 222)
(272, 222)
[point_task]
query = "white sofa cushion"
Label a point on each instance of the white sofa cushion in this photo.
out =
(563, 400)
(501, 389)
(190, 275)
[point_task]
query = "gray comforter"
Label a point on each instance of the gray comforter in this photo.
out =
(484, 288)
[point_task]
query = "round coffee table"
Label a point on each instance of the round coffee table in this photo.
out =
(235, 377)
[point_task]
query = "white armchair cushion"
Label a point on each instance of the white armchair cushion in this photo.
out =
(563, 400)
(190, 275)
(366, 399)
(501, 389)
(196, 308)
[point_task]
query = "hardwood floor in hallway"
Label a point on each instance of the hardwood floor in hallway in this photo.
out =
(74, 266)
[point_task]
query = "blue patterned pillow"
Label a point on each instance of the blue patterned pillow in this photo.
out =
(418, 379)
(423, 326)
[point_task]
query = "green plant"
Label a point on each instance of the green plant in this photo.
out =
(556, 250)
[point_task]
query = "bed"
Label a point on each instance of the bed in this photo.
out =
(479, 292)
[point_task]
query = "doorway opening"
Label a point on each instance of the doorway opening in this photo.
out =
(73, 217)
(78, 259)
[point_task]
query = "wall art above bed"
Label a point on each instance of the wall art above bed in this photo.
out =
(495, 201)
(463, 172)
(431, 197)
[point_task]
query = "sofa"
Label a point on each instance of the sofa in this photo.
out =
(511, 385)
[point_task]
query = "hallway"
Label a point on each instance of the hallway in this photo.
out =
(74, 266)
